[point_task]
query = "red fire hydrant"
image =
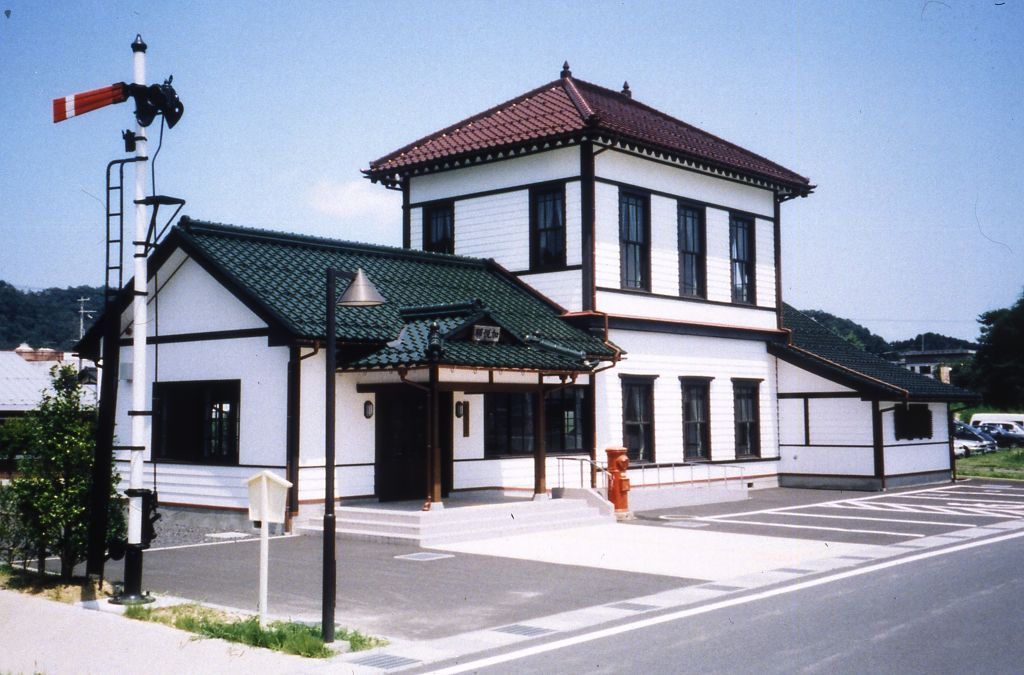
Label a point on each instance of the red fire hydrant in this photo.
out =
(618, 482)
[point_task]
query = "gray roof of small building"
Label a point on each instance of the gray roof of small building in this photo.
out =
(821, 351)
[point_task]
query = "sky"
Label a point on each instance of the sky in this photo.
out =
(907, 115)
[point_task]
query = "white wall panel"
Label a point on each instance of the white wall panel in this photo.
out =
(791, 421)
(191, 301)
(544, 166)
(672, 309)
(606, 235)
(764, 263)
(495, 226)
(565, 288)
(827, 460)
(900, 459)
(840, 421)
(718, 270)
(664, 246)
(793, 380)
(628, 168)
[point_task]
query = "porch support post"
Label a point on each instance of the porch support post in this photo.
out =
(540, 455)
(879, 443)
(292, 430)
(433, 444)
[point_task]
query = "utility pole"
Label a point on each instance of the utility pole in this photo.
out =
(82, 313)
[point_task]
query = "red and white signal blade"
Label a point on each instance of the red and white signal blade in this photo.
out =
(77, 104)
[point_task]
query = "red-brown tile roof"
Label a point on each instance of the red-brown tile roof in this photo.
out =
(565, 109)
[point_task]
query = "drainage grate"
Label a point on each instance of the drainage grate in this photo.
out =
(633, 606)
(384, 661)
(424, 556)
(721, 587)
(522, 629)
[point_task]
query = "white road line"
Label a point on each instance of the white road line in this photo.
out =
(912, 508)
(880, 520)
(948, 498)
(704, 609)
(783, 509)
(817, 527)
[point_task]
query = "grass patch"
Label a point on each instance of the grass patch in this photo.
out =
(1002, 464)
(282, 636)
(78, 589)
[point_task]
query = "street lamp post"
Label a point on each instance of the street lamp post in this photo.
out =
(360, 293)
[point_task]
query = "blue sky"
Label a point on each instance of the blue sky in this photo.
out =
(909, 116)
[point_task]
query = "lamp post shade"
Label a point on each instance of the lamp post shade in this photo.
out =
(361, 292)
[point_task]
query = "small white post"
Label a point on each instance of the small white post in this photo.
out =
(264, 555)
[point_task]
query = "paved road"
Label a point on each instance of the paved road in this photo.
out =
(958, 612)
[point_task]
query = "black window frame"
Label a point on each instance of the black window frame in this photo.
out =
(699, 429)
(642, 427)
(912, 421)
(182, 424)
(742, 263)
(502, 408)
(431, 242)
(542, 260)
(747, 431)
(692, 255)
(635, 274)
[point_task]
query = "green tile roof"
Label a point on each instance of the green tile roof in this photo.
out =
(818, 349)
(283, 278)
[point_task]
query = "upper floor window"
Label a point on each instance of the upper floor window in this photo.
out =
(638, 417)
(747, 417)
(439, 228)
(696, 418)
(691, 251)
(547, 228)
(635, 240)
(196, 422)
(741, 257)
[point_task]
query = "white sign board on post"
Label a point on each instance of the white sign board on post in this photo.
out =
(268, 494)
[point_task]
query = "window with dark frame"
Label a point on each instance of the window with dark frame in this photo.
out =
(547, 228)
(747, 416)
(638, 418)
(741, 258)
(912, 421)
(439, 228)
(696, 418)
(634, 240)
(196, 422)
(692, 256)
(508, 422)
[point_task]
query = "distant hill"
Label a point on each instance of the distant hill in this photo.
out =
(47, 318)
(851, 331)
(932, 341)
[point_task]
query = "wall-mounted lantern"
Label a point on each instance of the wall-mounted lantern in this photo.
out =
(368, 409)
(460, 409)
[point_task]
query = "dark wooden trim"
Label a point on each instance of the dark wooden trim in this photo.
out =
(526, 456)
(860, 476)
(896, 446)
(172, 462)
(747, 380)
(807, 421)
(819, 394)
(321, 466)
(824, 445)
(540, 486)
(777, 238)
(201, 337)
(647, 378)
(434, 447)
(567, 268)
(592, 429)
(695, 202)
(293, 416)
(685, 298)
(469, 388)
(836, 373)
(915, 473)
(950, 432)
(494, 191)
(406, 216)
(587, 220)
(769, 335)
(878, 442)
(695, 378)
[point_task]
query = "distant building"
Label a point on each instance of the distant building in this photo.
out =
(935, 363)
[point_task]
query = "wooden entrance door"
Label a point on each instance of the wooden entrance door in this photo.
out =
(401, 457)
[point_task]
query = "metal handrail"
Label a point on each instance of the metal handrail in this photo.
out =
(723, 471)
(583, 462)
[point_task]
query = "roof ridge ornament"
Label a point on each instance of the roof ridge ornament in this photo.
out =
(565, 71)
(625, 90)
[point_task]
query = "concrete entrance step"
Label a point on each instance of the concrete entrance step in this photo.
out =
(462, 523)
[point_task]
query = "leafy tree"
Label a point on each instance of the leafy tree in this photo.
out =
(998, 369)
(932, 341)
(54, 474)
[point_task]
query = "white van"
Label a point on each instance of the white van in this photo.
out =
(996, 418)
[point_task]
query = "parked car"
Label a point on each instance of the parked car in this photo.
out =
(978, 419)
(1007, 434)
(969, 441)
